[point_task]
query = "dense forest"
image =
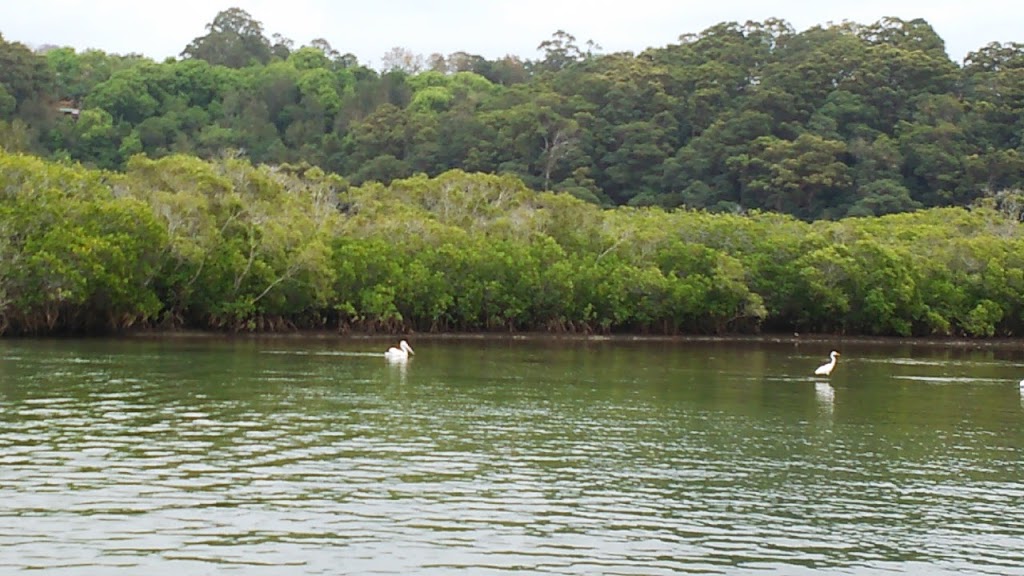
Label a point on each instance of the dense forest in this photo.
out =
(226, 244)
(846, 179)
(833, 121)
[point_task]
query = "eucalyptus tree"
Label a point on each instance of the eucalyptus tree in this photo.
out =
(233, 39)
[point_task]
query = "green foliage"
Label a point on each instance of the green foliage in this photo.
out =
(182, 242)
(431, 99)
(833, 121)
(25, 79)
(76, 257)
(846, 178)
(233, 39)
(249, 247)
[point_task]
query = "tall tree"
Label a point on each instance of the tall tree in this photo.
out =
(234, 39)
(25, 78)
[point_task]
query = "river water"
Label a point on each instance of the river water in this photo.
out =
(493, 456)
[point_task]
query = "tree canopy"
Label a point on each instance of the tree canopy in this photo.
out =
(228, 245)
(846, 178)
(837, 120)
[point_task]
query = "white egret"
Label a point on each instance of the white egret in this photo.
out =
(400, 353)
(826, 368)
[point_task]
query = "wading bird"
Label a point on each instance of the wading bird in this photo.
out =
(826, 368)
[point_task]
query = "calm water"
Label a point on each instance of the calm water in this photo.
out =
(538, 457)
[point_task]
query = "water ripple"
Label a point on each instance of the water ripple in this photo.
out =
(283, 465)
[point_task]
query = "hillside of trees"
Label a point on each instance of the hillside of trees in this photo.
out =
(847, 179)
(179, 242)
(830, 122)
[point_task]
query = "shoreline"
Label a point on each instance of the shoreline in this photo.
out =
(322, 335)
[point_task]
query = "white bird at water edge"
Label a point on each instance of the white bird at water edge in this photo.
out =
(401, 353)
(826, 368)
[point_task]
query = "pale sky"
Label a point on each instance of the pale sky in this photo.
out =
(492, 29)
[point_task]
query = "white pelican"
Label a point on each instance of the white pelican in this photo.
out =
(400, 353)
(826, 368)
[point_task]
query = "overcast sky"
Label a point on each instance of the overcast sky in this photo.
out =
(492, 29)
